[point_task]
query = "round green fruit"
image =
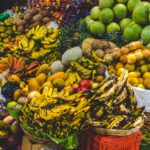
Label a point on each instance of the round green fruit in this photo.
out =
(131, 4)
(141, 14)
(106, 15)
(120, 11)
(106, 3)
(95, 12)
(112, 27)
(132, 32)
(97, 27)
(88, 21)
(145, 35)
(124, 22)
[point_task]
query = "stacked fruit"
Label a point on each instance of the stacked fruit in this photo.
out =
(51, 113)
(129, 16)
(114, 106)
(31, 18)
(135, 58)
(38, 42)
(7, 32)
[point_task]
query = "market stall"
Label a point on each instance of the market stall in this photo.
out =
(75, 75)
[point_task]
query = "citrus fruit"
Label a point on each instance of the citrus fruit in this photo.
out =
(97, 27)
(95, 12)
(132, 32)
(106, 15)
(141, 14)
(133, 81)
(112, 27)
(145, 35)
(119, 65)
(140, 80)
(131, 4)
(132, 75)
(106, 3)
(131, 58)
(144, 68)
(120, 11)
(130, 67)
(88, 21)
(146, 75)
(124, 22)
(147, 83)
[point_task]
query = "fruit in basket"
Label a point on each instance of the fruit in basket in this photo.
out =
(120, 11)
(145, 35)
(147, 83)
(132, 32)
(97, 27)
(141, 13)
(95, 12)
(106, 15)
(106, 3)
(112, 27)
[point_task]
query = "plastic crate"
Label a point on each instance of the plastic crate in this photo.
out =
(92, 141)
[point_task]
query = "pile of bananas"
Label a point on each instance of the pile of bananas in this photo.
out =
(58, 114)
(114, 106)
(37, 43)
(86, 66)
(7, 32)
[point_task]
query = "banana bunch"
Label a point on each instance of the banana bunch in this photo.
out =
(25, 46)
(85, 67)
(71, 77)
(56, 113)
(37, 33)
(39, 43)
(7, 32)
(113, 104)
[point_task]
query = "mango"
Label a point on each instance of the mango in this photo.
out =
(41, 78)
(33, 85)
(43, 69)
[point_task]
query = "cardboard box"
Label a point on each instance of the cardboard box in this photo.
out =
(28, 145)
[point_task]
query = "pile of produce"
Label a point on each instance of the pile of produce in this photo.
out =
(37, 43)
(113, 105)
(7, 32)
(135, 58)
(30, 19)
(129, 16)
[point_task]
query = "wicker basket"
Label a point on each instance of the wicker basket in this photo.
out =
(36, 139)
(115, 132)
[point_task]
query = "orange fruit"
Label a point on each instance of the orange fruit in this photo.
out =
(118, 66)
(144, 68)
(116, 54)
(147, 83)
(131, 58)
(133, 81)
(146, 75)
(130, 67)
(146, 53)
(139, 55)
(123, 59)
(132, 75)
(124, 50)
(140, 80)
(141, 86)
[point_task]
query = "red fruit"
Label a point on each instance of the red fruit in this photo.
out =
(81, 89)
(85, 83)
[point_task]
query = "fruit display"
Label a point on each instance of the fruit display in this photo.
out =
(129, 17)
(135, 58)
(114, 106)
(7, 32)
(30, 19)
(38, 42)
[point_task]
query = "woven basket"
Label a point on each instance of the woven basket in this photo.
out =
(115, 132)
(36, 139)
